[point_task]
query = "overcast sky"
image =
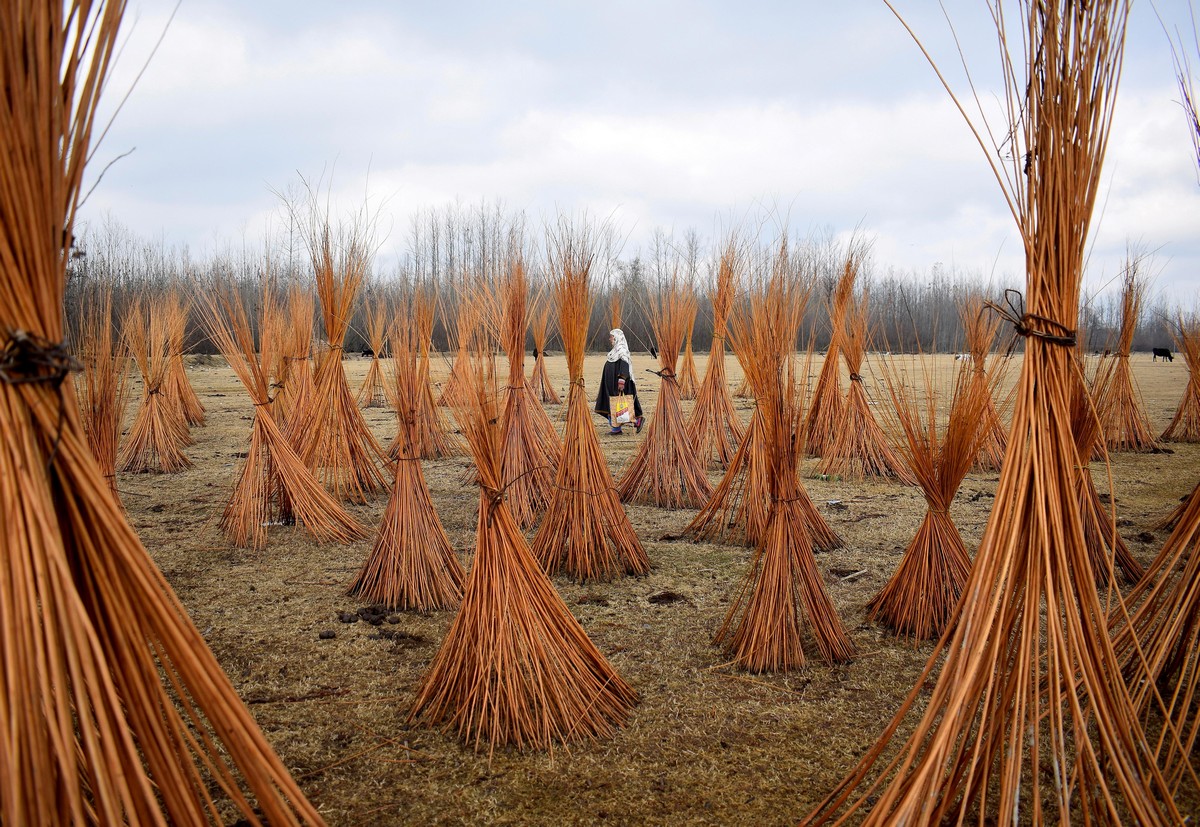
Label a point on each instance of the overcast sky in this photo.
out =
(670, 115)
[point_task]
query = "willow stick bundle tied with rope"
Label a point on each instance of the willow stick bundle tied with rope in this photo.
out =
(1021, 715)
(714, 428)
(920, 596)
(1185, 424)
(666, 471)
(539, 379)
(466, 334)
(159, 431)
(427, 434)
(782, 587)
(1122, 412)
(373, 392)
(116, 711)
(292, 373)
(333, 438)
(689, 380)
(515, 668)
(177, 386)
(411, 564)
(585, 532)
(274, 485)
(859, 447)
(828, 402)
(103, 390)
(530, 450)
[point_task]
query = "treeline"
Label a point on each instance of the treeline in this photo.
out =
(453, 247)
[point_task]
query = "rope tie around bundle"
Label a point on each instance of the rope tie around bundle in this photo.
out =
(1031, 324)
(28, 358)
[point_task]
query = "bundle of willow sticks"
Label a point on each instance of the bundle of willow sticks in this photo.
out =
(116, 711)
(1021, 712)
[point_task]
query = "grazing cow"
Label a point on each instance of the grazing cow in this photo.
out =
(1164, 352)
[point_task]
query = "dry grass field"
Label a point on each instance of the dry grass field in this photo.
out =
(706, 745)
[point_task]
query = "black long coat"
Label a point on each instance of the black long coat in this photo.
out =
(608, 387)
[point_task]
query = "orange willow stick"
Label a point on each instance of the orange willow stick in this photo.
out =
(828, 404)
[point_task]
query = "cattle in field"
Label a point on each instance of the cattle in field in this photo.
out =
(1164, 352)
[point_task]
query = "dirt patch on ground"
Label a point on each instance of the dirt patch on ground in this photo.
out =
(331, 679)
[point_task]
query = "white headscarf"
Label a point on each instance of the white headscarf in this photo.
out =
(620, 348)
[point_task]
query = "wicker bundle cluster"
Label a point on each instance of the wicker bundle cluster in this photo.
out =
(159, 431)
(1185, 425)
(530, 450)
(859, 447)
(1126, 427)
(329, 430)
(115, 710)
(980, 327)
(585, 532)
(411, 564)
(428, 436)
(293, 375)
(103, 390)
(920, 596)
(782, 586)
(373, 392)
(714, 427)
(274, 485)
(1021, 711)
(539, 378)
(515, 668)
(740, 506)
(666, 471)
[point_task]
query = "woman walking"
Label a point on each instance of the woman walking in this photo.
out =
(616, 381)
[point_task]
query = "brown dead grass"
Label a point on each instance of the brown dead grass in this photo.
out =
(707, 744)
